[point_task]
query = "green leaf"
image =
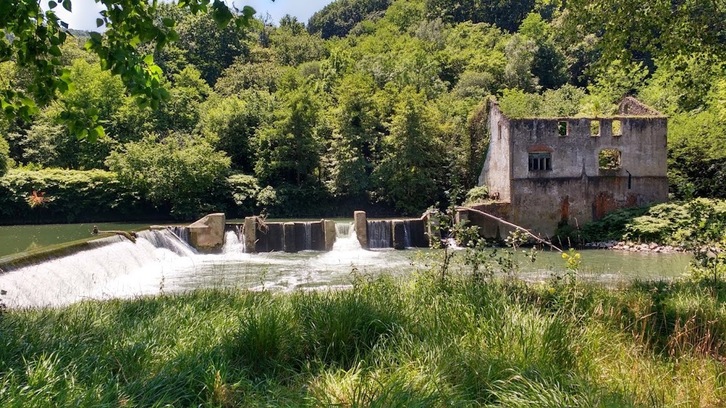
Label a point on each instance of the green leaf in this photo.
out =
(149, 59)
(52, 5)
(96, 38)
(67, 5)
(168, 22)
(99, 131)
(55, 51)
(83, 134)
(221, 14)
(99, 22)
(135, 41)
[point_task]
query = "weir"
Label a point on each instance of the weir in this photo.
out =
(158, 261)
(262, 236)
(396, 233)
(98, 268)
(129, 264)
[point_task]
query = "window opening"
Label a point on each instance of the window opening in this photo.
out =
(617, 128)
(563, 128)
(540, 161)
(594, 128)
(609, 159)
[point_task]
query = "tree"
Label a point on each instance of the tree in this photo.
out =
(288, 150)
(339, 17)
(4, 156)
(410, 173)
(549, 62)
(505, 14)
(32, 38)
(178, 172)
(230, 123)
(202, 43)
(293, 45)
(180, 113)
(633, 29)
(96, 97)
(353, 147)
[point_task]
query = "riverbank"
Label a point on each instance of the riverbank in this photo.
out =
(635, 247)
(500, 343)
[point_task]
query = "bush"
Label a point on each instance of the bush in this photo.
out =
(56, 195)
(179, 172)
(243, 190)
(477, 195)
(4, 156)
(676, 223)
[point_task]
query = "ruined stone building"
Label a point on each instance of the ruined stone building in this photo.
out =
(544, 172)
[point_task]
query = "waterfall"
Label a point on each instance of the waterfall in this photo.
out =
(86, 273)
(407, 241)
(181, 232)
(343, 229)
(345, 238)
(234, 240)
(379, 234)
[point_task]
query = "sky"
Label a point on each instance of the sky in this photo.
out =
(85, 12)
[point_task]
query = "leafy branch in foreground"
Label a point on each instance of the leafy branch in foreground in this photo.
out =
(32, 38)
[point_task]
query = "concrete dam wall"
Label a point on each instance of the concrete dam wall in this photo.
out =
(258, 235)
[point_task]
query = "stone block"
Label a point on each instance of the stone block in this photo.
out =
(398, 230)
(361, 228)
(207, 234)
(330, 234)
(249, 231)
(289, 237)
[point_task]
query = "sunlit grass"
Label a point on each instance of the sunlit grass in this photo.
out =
(386, 343)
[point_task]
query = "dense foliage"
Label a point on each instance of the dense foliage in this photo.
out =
(59, 196)
(373, 104)
(684, 224)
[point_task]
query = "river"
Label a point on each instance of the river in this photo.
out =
(159, 262)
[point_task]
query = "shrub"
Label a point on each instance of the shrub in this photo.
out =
(477, 195)
(243, 190)
(178, 172)
(56, 195)
(4, 153)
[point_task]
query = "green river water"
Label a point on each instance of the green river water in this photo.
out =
(159, 262)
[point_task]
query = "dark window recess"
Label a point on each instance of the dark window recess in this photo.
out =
(563, 128)
(540, 161)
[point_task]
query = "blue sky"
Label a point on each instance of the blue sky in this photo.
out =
(85, 12)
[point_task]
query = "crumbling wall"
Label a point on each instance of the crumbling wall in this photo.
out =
(543, 204)
(555, 170)
(496, 173)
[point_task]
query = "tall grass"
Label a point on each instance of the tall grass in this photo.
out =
(385, 343)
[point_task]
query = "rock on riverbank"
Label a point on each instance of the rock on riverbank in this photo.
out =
(634, 247)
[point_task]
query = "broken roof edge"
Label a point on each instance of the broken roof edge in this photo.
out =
(629, 107)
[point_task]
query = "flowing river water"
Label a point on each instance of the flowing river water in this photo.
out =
(160, 262)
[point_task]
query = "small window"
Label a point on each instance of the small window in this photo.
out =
(609, 159)
(499, 130)
(594, 128)
(617, 128)
(563, 128)
(540, 161)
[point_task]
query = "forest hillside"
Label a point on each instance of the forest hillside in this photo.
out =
(372, 104)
